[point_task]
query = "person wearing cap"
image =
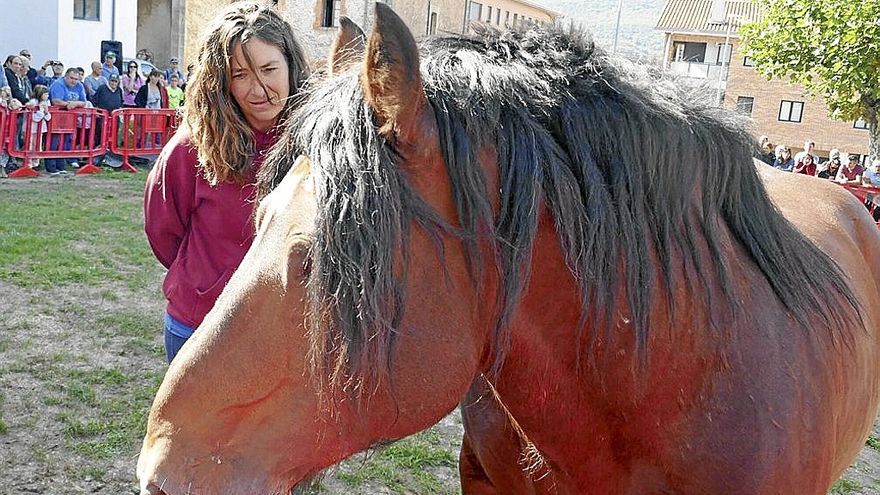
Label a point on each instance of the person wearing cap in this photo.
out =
(174, 69)
(108, 97)
(109, 68)
(94, 80)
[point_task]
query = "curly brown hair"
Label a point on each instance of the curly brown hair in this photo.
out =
(219, 130)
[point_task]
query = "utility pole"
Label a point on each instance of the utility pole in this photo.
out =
(617, 27)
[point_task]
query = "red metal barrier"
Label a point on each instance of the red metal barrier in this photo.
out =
(4, 117)
(68, 134)
(869, 196)
(140, 131)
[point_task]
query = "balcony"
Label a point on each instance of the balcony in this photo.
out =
(699, 70)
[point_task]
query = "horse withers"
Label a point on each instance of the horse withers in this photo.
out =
(575, 250)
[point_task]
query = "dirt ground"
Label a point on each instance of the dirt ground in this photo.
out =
(79, 364)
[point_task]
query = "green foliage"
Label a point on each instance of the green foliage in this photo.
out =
(829, 46)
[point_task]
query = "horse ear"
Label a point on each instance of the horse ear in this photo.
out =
(348, 48)
(392, 81)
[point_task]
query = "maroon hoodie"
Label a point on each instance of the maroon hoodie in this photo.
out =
(198, 231)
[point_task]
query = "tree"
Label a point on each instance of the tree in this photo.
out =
(831, 47)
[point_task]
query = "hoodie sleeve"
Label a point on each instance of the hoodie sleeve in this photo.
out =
(169, 199)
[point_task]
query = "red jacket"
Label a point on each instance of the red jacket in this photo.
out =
(199, 232)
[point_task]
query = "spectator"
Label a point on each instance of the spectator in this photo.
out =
(16, 85)
(766, 153)
(94, 81)
(33, 75)
(851, 173)
(174, 69)
(25, 82)
(871, 177)
(189, 75)
(809, 145)
(4, 83)
(131, 84)
(108, 97)
(175, 94)
(109, 68)
(57, 72)
(152, 94)
(198, 203)
(784, 161)
(68, 93)
(40, 119)
(806, 166)
(828, 170)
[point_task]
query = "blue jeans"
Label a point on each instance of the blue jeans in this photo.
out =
(176, 334)
(58, 164)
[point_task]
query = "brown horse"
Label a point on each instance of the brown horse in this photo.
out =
(577, 252)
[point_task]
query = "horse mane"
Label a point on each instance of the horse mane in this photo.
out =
(641, 175)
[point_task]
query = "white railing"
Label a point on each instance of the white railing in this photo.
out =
(698, 70)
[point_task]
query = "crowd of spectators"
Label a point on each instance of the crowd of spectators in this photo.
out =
(843, 168)
(51, 87)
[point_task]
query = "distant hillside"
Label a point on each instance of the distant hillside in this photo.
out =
(637, 39)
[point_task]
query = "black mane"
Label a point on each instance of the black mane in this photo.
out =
(633, 167)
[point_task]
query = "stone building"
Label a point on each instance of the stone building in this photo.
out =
(315, 21)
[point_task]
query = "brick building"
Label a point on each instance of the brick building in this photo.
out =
(702, 44)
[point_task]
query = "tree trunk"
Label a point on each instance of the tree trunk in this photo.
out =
(874, 141)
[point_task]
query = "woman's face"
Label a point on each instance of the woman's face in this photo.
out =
(269, 67)
(132, 68)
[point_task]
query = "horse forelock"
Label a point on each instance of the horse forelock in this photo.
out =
(629, 163)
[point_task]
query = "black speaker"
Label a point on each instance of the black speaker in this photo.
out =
(115, 47)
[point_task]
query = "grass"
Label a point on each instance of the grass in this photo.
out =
(844, 487)
(78, 399)
(405, 463)
(67, 232)
(873, 442)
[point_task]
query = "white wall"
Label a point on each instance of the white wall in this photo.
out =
(79, 41)
(47, 28)
(31, 24)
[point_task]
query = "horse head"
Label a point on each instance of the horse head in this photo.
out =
(314, 350)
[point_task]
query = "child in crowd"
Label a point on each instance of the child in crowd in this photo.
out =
(40, 117)
(175, 94)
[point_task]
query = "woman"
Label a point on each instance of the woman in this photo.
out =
(131, 84)
(198, 203)
(152, 94)
(784, 161)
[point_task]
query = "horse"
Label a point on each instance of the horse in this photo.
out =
(579, 253)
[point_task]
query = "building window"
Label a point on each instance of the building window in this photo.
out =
(515, 20)
(432, 26)
(748, 62)
(689, 52)
(330, 13)
(506, 18)
(476, 11)
(87, 10)
(744, 104)
(791, 111)
(722, 53)
(860, 124)
(498, 17)
(489, 13)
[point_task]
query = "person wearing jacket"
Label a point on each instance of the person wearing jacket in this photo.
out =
(199, 198)
(152, 94)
